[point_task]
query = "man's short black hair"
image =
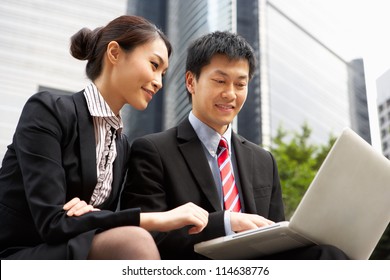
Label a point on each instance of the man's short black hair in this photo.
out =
(233, 46)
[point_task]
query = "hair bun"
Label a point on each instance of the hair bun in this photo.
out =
(82, 43)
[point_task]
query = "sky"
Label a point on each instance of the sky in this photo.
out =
(369, 25)
(373, 45)
(354, 29)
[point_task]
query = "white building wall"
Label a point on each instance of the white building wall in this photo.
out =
(34, 50)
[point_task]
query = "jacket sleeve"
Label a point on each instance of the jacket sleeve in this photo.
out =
(276, 211)
(39, 144)
(151, 186)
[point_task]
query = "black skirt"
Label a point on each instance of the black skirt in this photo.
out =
(76, 248)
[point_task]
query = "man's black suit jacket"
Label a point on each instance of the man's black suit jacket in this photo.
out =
(170, 168)
(51, 160)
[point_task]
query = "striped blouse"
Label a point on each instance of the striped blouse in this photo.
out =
(106, 125)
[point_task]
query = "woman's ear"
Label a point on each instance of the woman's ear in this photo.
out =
(190, 82)
(113, 52)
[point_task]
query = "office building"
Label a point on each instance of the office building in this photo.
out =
(358, 99)
(308, 82)
(299, 79)
(383, 101)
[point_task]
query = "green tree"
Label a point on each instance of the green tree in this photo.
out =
(298, 162)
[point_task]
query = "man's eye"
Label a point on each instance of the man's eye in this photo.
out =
(219, 81)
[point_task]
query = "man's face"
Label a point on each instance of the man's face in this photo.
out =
(220, 91)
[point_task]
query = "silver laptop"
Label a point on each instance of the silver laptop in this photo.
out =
(347, 205)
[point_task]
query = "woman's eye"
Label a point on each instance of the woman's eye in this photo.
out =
(155, 65)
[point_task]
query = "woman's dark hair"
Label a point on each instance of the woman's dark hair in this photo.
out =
(128, 31)
(233, 46)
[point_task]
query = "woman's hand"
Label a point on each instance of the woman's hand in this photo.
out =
(185, 215)
(244, 221)
(77, 207)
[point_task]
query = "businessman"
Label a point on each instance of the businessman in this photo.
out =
(204, 161)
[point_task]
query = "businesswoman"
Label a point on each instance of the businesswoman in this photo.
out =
(61, 177)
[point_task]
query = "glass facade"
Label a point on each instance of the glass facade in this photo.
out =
(249, 121)
(308, 83)
(188, 20)
(358, 99)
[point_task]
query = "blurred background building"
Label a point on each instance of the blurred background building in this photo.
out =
(383, 87)
(300, 79)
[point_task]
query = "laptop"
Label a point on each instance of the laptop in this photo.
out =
(346, 205)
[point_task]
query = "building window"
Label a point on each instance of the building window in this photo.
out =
(380, 108)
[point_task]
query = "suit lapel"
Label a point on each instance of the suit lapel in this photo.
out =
(87, 145)
(193, 153)
(244, 158)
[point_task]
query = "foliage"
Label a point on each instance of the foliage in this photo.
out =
(298, 162)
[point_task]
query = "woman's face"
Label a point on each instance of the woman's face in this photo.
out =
(137, 76)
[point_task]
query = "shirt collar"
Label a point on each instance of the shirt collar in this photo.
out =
(98, 107)
(208, 136)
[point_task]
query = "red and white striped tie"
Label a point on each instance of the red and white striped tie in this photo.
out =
(230, 192)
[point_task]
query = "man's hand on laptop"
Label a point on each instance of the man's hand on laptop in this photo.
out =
(244, 221)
